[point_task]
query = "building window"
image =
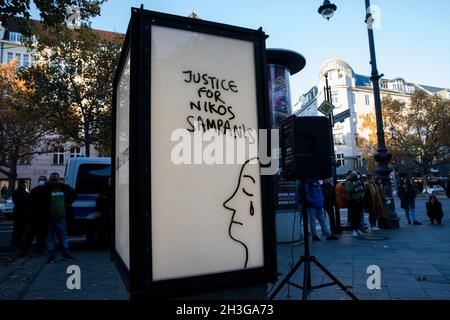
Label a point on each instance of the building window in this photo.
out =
(15, 36)
(26, 60)
(25, 161)
(340, 160)
(339, 139)
(360, 161)
(353, 98)
(9, 57)
(75, 152)
(334, 98)
(19, 59)
(58, 156)
(367, 100)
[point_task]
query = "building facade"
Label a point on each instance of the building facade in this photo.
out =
(40, 164)
(352, 96)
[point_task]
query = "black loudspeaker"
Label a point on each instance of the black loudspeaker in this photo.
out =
(306, 148)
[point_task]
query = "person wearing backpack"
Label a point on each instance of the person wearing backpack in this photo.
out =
(354, 189)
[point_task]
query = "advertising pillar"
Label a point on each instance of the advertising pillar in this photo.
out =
(281, 65)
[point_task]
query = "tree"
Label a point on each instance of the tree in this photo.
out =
(417, 131)
(72, 81)
(22, 127)
(52, 12)
(368, 146)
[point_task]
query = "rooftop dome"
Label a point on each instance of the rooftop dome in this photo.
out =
(335, 64)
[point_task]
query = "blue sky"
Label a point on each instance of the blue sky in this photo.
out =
(413, 41)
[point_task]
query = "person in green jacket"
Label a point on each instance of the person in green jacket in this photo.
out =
(58, 198)
(354, 189)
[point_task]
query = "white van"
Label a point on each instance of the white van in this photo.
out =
(89, 178)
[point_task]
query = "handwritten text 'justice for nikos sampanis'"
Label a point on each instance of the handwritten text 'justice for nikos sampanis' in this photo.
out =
(211, 102)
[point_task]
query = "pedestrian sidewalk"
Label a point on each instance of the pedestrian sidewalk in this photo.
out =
(99, 279)
(414, 263)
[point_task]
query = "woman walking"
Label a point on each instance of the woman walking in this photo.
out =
(407, 196)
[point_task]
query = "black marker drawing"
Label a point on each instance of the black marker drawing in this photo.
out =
(238, 229)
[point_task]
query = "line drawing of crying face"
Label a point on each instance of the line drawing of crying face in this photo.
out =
(242, 205)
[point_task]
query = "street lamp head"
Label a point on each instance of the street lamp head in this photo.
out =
(327, 9)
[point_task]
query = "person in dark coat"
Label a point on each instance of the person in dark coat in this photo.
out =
(21, 200)
(330, 202)
(4, 192)
(354, 189)
(434, 210)
(407, 195)
(39, 220)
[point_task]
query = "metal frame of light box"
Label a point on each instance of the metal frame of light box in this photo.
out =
(138, 279)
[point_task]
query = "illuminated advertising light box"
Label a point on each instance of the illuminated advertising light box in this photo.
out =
(181, 226)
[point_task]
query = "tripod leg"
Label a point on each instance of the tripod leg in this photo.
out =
(287, 278)
(335, 280)
(306, 280)
(309, 276)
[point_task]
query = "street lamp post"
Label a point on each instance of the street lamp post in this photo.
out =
(383, 156)
(327, 92)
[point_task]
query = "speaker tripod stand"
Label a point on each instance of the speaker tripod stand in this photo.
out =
(307, 259)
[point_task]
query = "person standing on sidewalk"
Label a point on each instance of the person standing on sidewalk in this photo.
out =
(355, 196)
(407, 195)
(370, 202)
(329, 204)
(314, 206)
(434, 210)
(375, 201)
(39, 220)
(21, 200)
(4, 192)
(341, 200)
(58, 197)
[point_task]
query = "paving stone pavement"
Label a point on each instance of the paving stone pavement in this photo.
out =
(414, 263)
(99, 279)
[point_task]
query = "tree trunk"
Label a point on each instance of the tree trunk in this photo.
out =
(87, 140)
(87, 145)
(423, 172)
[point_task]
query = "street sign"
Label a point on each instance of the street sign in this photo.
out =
(326, 108)
(341, 116)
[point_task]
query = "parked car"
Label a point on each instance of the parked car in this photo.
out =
(433, 190)
(88, 176)
(7, 208)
